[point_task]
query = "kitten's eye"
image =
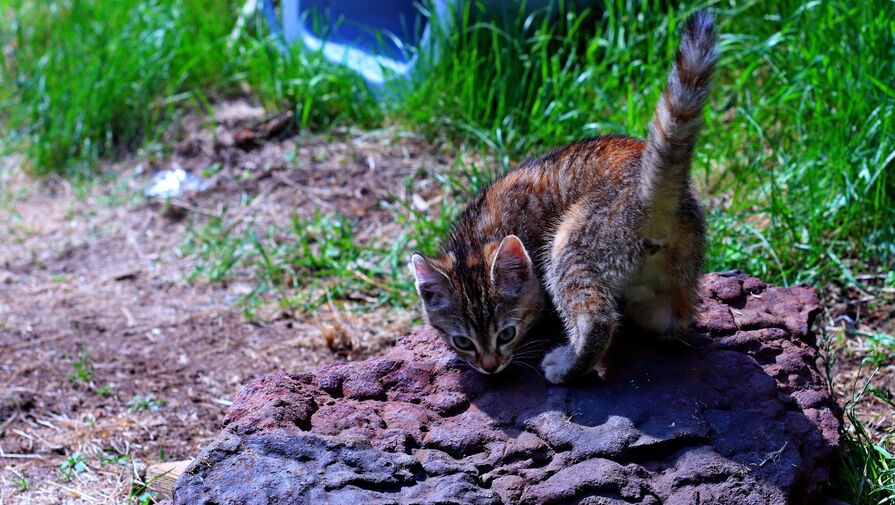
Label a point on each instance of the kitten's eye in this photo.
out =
(506, 335)
(462, 343)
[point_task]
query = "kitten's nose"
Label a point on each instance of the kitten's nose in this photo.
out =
(490, 364)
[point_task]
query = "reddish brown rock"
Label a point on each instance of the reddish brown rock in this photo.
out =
(737, 413)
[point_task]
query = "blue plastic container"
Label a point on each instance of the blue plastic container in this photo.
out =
(384, 39)
(379, 40)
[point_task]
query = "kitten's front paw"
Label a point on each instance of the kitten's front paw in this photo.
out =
(558, 363)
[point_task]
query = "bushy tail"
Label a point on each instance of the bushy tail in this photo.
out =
(678, 116)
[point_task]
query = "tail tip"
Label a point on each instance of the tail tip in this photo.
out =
(698, 43)
(700, 25)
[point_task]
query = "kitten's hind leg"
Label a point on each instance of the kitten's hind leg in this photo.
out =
(662, 296)
(656, 314)
(591, 255)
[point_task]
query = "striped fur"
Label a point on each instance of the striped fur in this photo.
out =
(602, 228)
(678, 117)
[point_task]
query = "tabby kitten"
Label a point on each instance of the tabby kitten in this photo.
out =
(603, 227)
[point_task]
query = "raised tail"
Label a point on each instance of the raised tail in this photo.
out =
(678, 116)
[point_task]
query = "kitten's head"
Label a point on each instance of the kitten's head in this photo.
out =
(481, 302)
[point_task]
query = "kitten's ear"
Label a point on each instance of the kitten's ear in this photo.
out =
(511, 268)
(432, 284)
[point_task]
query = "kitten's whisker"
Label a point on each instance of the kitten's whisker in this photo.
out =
(526, 356)
(460, 361)
(529, 345)
(527, 367)
(535, 341)
(528, 350)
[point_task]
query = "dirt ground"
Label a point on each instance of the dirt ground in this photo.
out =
(95, 281)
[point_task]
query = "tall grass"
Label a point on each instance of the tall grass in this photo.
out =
(82, 79)
(85, 76)
(805, 158)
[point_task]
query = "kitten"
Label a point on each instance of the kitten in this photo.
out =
(603, 227)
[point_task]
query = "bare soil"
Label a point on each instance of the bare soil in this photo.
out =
(96, 276)
(100, 278)
(859, 365)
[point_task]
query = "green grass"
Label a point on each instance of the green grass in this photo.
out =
(216, 248)
(77, 463)
(881, 347)
(83, 366)
(310, 261)
(74, 464)
(84, 79)
(21, 480)
(147, 402)
(866, 474)
(809, 154)
(84, 373)
(86, 76)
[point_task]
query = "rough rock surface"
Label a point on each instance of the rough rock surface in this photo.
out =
(737, 413)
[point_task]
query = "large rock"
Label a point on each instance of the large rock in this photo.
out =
(738, 413)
